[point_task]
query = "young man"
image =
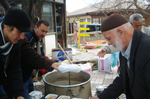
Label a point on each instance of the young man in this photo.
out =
(31, 60)
(136, 21)
(15, 23)
(134, 47)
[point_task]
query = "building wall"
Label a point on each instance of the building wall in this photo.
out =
(81, 17)
(100, 18)
(147, 21)
(95, 35)
(70, 28)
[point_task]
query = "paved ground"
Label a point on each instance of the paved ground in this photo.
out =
(102, 78)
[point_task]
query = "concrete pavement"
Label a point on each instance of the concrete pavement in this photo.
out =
(102, 78)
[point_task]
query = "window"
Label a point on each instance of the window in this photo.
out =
(49, 0)
(48, 15)
(101, 20)
(68, 27)
(82, 20)
(95, 20)
(92, 28)
(88, 20)
(59, 18)
(61, 1)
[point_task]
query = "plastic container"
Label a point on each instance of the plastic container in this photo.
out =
(63, 97)
(51, 96)
(35, 95)
(100, 88)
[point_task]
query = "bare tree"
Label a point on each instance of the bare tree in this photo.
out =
(4, 4)
(106, 6)
(32, 7)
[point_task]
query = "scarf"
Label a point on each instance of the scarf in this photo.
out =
(5, 50)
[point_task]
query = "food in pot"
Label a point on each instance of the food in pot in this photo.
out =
(51, 97)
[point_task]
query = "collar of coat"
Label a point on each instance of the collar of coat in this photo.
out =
(5, 47)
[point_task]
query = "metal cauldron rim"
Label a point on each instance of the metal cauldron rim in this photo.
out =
(67, 85)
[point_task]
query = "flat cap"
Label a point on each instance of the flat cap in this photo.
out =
(113, 21)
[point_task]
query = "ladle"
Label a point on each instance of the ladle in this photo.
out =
(67, 58)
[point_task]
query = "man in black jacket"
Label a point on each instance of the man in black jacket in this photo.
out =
(31, 60)
(134, 47)
(15, 23)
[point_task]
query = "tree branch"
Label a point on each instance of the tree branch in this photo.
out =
(36, 10)
(27, 6)
(139, 8)
(5, 4)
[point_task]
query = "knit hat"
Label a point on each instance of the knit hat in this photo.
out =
(113, 21)
(17, 18)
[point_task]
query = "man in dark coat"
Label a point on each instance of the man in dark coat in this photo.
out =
(134, 47)
(15, 23)
(31, 60)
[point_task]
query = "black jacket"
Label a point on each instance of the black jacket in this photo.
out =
(13, 70)
(138, 86)
(32, 60)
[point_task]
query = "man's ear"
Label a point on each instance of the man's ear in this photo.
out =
(5, 26)
(120, 32)
(35, 27)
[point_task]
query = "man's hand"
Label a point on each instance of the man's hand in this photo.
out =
(56, 65)
(20, 97)
(94, 97)
(102, 53)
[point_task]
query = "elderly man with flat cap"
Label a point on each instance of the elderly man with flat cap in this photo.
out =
(136, 21)
(15, 23)
(134, 47)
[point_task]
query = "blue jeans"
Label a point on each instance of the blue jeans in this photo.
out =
(2, 89)
(3, 93)
(28, 87)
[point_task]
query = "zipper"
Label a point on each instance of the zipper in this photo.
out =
(5, 66)
(5, 73)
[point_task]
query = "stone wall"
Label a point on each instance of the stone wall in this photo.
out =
(97, 35)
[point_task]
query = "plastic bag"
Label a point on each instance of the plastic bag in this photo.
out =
(65, 67)
(113, 59)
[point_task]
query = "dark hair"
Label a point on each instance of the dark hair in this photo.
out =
(42, 21)
(11, 27)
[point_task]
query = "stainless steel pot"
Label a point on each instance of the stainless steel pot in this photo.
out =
(58, 83)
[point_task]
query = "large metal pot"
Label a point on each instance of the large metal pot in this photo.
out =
(58, 83)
